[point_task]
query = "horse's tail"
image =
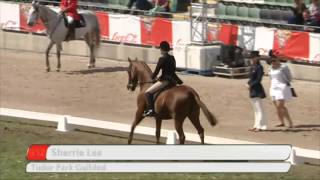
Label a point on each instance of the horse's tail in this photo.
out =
(211, 118)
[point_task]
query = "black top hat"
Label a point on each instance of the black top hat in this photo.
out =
(254, 54)
(165, 46)
(271, 54)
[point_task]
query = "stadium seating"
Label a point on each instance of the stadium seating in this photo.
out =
(221, 10)
(254, 13)
(243, 13)
(175, 5)
(231, 11)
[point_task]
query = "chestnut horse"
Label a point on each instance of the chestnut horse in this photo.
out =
(175, 103)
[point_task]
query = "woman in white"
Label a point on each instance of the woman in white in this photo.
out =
(280, 91)
(256, 92)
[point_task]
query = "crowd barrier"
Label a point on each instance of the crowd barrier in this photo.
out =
(140, 30)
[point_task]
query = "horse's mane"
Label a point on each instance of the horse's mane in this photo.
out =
(145, 66)
(48, 10)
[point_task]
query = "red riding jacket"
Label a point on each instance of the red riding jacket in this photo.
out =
(70, 6)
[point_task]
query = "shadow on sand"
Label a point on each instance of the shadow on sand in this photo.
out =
(298, 128)
(98, 70)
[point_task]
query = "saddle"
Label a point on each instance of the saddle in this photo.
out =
(77, 23)
(156, 94)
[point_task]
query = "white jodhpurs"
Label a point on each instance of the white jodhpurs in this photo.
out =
(259, 114)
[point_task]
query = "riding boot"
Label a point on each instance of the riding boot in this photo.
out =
(150, 105)
(71, 32)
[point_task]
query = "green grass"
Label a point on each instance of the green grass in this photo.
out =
(16, 135)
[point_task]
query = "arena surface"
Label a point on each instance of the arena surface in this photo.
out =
(101, 94)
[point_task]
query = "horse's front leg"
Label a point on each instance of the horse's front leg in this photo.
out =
(47, 55)
(137, 120)
(88, 40)
(59, 47)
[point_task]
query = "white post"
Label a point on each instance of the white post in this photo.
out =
(293, 159)
(171, 137)
(63, 125)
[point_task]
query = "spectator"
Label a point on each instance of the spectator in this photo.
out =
(141, 4)
(298, 10)
(160, 6)
(314, 9)
(312, 16)
(257, 92)
(280, 91)
(308, 21)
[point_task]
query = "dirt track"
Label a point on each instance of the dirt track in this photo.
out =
(102, 94)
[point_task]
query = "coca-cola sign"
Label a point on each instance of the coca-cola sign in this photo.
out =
(129, 38)
(316, 58)
(9, 25)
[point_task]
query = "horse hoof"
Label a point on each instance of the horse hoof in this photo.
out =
(58, 70)
(48, 69)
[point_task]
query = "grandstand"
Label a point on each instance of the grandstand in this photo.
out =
(251, 24)
(271, 13)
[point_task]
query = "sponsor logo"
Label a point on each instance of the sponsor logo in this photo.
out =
(129, 38)
(148, 24)
(316, 58)
(214, 31)
(282, 37)
(8, 25)
(25, 10)
(263, 51)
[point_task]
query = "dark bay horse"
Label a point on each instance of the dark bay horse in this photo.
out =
(175, 103)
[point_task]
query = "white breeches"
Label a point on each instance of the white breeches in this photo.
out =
(259, 115)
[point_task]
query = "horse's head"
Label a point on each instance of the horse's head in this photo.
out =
(132, 75)
(33, 14)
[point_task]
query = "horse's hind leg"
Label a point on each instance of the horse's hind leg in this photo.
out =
(158, 129)
(91, 47)
(178, 125)
(92, 55)
(194, 118)
(137, 120)
(58, 46)
(47, 55)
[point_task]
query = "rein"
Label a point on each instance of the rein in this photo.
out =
(147, 82)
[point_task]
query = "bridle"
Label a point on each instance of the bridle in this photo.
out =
(134, 84)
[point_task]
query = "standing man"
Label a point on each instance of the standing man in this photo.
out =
(70, 7)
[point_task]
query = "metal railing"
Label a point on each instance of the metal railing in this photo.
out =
(99, 6)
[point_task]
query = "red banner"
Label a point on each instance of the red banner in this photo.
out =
(155, 30)
(103, 19)
(291, 44)
(228, 34)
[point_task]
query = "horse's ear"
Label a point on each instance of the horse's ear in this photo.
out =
(129, 60)
(35, 4)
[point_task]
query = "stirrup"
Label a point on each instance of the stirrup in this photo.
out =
(149, 112)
